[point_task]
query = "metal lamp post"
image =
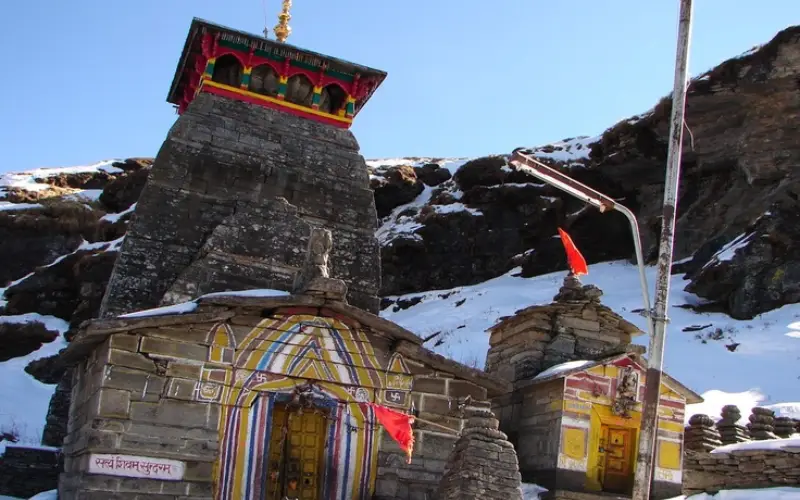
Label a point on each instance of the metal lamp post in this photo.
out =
(603, 203)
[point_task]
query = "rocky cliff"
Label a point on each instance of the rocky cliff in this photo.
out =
(451, 222)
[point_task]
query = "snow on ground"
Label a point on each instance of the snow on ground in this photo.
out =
(112, 218)
(532, 491)
(781, 493)
(25, 399)
(27, 180)
(768, 444)
(572, 151)
(6, 206)
(766, 361)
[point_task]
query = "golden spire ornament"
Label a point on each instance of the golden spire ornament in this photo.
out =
(282, 29)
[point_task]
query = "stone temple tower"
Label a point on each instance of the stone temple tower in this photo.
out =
(260, 154)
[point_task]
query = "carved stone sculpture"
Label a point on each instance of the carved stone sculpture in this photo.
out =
(314, 278)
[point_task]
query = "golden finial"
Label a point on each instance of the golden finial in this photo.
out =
(282, 29)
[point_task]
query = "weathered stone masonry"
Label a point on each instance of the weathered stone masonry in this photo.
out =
(226, 204)
(147, 389)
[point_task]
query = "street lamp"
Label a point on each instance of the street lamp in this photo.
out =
(526, 163)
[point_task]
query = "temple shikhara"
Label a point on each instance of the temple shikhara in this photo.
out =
(239, 355)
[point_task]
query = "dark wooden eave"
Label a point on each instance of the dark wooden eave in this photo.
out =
(198, 25)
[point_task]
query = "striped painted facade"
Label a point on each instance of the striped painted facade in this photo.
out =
(264, 367)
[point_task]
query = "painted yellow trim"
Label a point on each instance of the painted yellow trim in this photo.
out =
(670, 426)
(248, 70)
(317, 90)
(279, 102)
(351, 99)
(283, 79)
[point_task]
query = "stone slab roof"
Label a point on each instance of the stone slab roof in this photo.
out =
(691, 396)
(221, 306)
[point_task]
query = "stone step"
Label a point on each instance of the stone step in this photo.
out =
(574, 495)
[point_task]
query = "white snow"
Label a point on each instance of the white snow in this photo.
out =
(85, 195)
(182, 308)
(395, 225)
(765, 361)
(261, 292)
(562, 368)
(27, 180)
(780, 493)
(24, 399)
(50, 322)
(570, 151)
(729, 250)
(46, 495)
(532, 491)
(791, 410)
(455, 207)
(6, 206)
(115, 217)
(768, 444)
(714, 400)
(187, 307)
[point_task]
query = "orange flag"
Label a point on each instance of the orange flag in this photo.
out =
(398, 425)
(576, 261)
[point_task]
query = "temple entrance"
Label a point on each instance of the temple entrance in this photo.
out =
(618, 444)
(296, 454)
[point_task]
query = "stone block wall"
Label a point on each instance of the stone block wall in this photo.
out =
(442, 403)
(531, 418)
(132, 397)
(25, 472)
(742, 469)
(152, 390)
(210, 217)
(575, 327)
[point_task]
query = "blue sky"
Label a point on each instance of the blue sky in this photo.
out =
(88, 78)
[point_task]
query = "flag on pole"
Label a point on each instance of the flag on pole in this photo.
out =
(398, 425)
(576, 261)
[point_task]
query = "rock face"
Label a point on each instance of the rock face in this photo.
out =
(743, 146)
(483, 463)
(209, 218)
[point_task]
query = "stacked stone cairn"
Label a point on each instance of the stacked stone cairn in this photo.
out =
(730, 430)
(761, 424)
(483, 463)
(701, 434)
(784, 427)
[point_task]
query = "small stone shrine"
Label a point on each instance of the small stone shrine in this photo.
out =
(730, 430)
(483, 463)
(261, 394)
(575, 411)
(701, 434)
(761, 424)
(784, 427)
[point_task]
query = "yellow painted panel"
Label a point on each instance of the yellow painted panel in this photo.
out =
(597, 370)
(574, 443)
(669, 455)
(670, 426)
(577, 406)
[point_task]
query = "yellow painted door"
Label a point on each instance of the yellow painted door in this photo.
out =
(618, 473)
(298, 457)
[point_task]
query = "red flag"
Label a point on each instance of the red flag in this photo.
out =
(576, 261)
(398, 425)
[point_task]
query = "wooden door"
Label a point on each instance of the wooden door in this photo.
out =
(296, 453)
(618, 467)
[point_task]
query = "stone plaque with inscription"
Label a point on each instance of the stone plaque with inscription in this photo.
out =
(132, 466)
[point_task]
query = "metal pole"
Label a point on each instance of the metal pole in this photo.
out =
(637, 243)
(649, 427)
